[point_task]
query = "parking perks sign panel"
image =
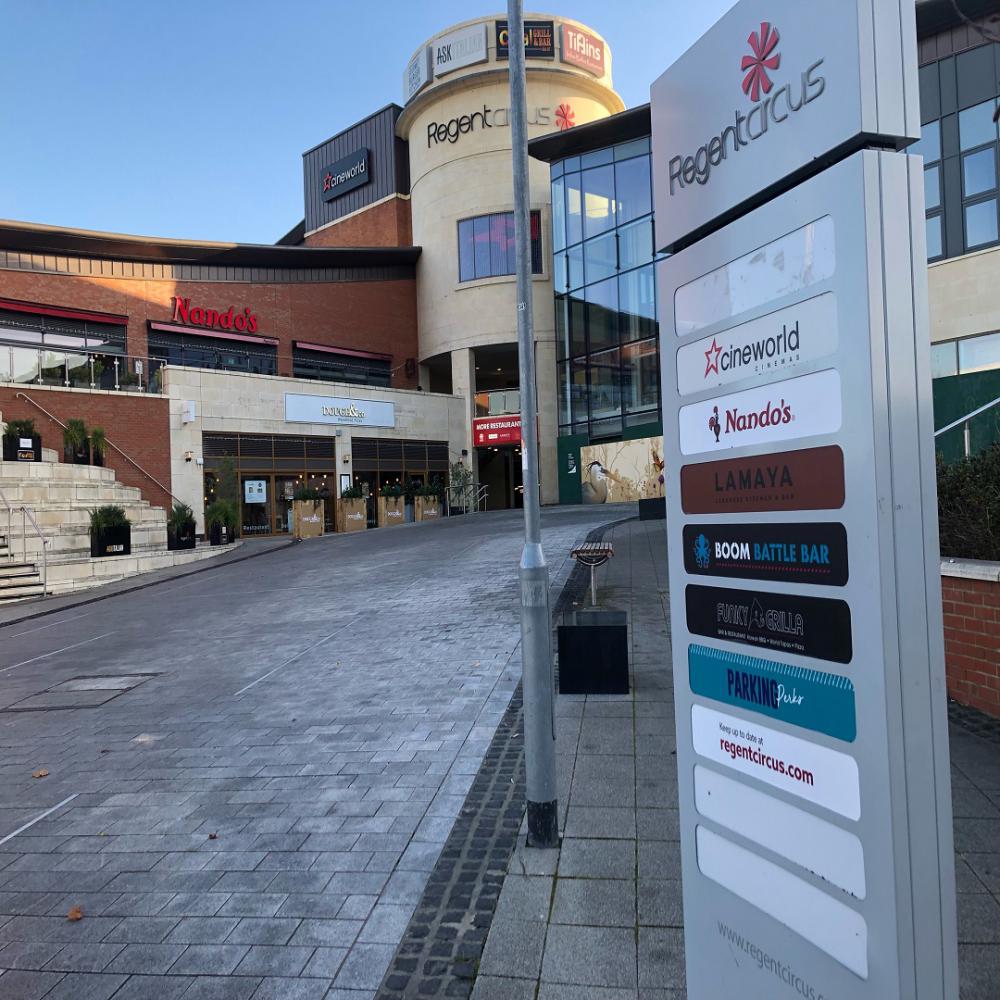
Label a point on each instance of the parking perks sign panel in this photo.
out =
(813, 774)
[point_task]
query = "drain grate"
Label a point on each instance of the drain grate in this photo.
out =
(84, 691)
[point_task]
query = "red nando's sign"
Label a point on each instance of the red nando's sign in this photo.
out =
(214, 319)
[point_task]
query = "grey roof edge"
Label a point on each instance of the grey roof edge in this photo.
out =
(938, 15)
(632, 123)
(391, 105)
(34, 238)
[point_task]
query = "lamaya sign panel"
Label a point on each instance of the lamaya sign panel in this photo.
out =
(496, 430)
(539, 40)
(464, 47)
(233, 318)
(580, 48)
(766, 94)
(346, 174)
(303, 408)
(418, 73)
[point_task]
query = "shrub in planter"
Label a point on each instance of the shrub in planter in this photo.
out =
(99, 445)
(969, 506)
(110, 532)
(220, 522)
(76, 447)
(352, 510)
(180, 527)
(391, 510)
(15, 436)
(308, 512)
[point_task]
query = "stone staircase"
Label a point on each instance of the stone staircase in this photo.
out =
(61, 497)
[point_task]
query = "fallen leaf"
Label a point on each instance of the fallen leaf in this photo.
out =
(75, 913)
(213, 836)
(41, 773)
(105, 751)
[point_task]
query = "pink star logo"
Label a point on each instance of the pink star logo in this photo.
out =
(712, 359)
(764, 58)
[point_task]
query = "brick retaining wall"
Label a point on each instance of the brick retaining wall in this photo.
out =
(971, 596)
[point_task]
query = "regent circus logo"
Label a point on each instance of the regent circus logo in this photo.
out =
(770, 415)
(764, 58)
(565, 117)
(720, 360)
(213, 319)
(773, 105)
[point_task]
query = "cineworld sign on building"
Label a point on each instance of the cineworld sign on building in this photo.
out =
(346, 174)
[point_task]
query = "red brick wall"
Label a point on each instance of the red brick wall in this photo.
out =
(384, 225)
(378, 316)
(972, 642)
(139, 425)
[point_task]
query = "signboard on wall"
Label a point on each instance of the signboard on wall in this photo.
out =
(255, 491)
(496, 430)
(418, 73)
(621, 472)
(539, 40)
(302, 408)
(463, 47)
(813, 776)
(581, 48)
(346, 174)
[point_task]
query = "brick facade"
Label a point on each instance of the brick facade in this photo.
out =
(378, 316)
(139, 425)
(384, 225)
(972, 641)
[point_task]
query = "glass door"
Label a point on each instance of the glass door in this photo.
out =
(257, 491)
(284, 491)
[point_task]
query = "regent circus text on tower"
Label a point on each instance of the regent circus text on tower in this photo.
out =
(698, 167)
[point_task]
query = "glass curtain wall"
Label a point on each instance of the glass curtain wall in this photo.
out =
(606, 330)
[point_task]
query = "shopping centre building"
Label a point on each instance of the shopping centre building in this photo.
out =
(376, 341)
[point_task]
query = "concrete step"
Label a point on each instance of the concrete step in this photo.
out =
(15, 472)
(38, 492)
(21, 593)
(14, 570)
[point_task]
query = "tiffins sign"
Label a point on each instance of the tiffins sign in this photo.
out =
(580, 48)
(760, 101)
(348, 173)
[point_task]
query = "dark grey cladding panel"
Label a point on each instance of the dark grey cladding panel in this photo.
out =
(388, 161)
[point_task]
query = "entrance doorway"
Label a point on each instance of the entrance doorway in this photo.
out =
(500, 471)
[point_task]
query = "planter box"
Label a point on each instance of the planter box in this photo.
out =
(186, 540)
(427, 508)
(307, 518)
(391, 512)
(18, 450)
(653, 509)
(77, 456)
(352, 515)
(111, 542)
(593, 652)
(219, 534)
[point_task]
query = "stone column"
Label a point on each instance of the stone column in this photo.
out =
(463, 383)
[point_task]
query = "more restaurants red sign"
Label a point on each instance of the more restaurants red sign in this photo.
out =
(496, 430)
(214, 319)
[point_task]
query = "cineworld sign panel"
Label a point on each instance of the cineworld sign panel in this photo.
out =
(348, 173)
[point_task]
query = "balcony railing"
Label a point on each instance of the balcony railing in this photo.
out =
(497, 403)
(80, 370)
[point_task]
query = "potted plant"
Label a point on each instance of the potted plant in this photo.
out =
(110, 532)
(180, 526)
(308, 512)
(427, 506)
(391, 506)
(20, 442)
(352, 510)
(76, 448)
(220, 522)
(98, 445)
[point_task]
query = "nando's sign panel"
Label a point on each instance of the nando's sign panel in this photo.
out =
(788, 623)
(808, 479)
(787, 553)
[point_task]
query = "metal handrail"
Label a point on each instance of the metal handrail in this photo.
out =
(10, 517)
(148, 475)
(967, 442)
(26, 516)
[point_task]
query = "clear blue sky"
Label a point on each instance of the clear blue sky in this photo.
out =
(188, 118)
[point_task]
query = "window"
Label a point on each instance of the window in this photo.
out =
(486, 246)
(933, 237)
(641, 376)
(978, 354)
(207, 352)
(332, 367)
(979, 171)
(980, 224)
(976, 126)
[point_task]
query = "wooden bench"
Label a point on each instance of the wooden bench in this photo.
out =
(593, 554)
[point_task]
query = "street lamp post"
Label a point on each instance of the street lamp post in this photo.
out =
(536, 626)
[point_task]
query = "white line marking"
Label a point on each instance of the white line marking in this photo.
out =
(41, 628)
(308, 649)
(32, 822)
(64, 649)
